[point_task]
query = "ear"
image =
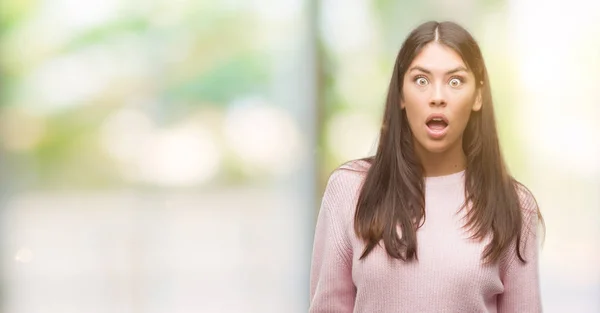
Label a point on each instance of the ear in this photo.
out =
(478, 101)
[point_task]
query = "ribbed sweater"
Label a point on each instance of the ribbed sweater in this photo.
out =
(449, 275)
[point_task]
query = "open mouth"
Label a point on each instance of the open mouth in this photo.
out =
(437, 126)
(437, 123)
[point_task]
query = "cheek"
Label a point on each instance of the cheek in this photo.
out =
(413, 111)
(463, 112)
(413, 101)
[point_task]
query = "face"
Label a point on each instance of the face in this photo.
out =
(439, 93)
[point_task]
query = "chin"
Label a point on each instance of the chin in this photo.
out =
(434, 146)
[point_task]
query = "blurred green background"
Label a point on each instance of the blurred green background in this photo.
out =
(170, 156)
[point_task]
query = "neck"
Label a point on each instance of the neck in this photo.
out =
(444, 163)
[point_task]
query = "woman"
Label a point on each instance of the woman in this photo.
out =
(433, 222)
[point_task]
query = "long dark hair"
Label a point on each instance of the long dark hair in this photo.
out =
(393, 191)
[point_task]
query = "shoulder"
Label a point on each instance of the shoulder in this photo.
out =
(344, 185)
(347, 176)
(527, 201)
(532, 217)
(358, 166)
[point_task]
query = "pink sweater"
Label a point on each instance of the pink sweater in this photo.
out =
(449, 276)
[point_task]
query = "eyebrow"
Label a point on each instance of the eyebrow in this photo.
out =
(424, 70)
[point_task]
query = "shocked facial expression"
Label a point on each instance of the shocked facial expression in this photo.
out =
(439, 93)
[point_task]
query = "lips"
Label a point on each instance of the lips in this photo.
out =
(437, 125)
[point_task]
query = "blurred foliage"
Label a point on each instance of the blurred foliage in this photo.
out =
(129, 25)
(13, 12)
(70, 154)
(208, 56)
(225, 81)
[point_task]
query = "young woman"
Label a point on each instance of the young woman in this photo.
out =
(433, 222)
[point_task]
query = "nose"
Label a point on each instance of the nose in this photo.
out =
(437, 96)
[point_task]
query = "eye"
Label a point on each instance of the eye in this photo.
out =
(455, 82)
(421, 81)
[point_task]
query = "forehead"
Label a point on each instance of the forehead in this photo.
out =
(437, 57)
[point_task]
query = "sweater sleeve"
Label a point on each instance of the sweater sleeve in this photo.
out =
(521, 280)
(331, 287)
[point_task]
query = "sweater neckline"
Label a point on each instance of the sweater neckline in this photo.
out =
(453, 178)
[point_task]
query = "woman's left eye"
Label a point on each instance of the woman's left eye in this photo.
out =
(455, 82)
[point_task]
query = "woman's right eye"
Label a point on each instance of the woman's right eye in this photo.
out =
(421, 81)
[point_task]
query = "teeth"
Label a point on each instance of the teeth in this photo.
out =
(437, 119)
